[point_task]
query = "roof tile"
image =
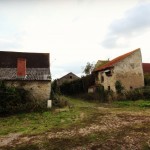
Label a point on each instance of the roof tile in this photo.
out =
(114, 61)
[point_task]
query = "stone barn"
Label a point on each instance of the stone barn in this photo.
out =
(126, 68)
(67, 78)
(30, 71)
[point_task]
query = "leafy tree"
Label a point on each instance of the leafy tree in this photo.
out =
(54, 89)
(88, 68)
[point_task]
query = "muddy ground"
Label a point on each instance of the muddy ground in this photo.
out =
(106, 129)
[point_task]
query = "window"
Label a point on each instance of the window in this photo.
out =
(70, 77)
(108, 73)
(108, 88)
(131, 87)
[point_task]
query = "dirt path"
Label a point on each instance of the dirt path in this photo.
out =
(104, 130)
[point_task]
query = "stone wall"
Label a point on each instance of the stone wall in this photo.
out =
(129, 71)
(40, 90)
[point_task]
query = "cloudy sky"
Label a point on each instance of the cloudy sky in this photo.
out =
(75, 32)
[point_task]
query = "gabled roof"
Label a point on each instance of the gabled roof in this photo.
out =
(100, 63)
(146, 67)
(68, 74)
(114, 61)
(37, 66)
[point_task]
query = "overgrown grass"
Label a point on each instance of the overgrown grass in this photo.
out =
(39, 122)
(139, 104)
(71, 119)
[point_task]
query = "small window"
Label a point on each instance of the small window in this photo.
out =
(108, 73)
(131, 87)
(70, 77)
(108, 88)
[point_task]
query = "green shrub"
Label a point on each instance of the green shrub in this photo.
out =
(89, 96)
(100, 95)
(147, 79)
(59, 101)
(77, 86)
(15, 100)
(137, 94)
(119, 87)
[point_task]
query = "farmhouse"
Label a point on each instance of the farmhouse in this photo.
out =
(126, 68)
(30, 71)
(67, 78)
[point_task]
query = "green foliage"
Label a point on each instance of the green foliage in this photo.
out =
(78, 86)
(119, 87)
(147, 79)
(88, 68)
(137, 94)
(54, 89)
(100, 95)
(104, 95)
(40, 122)
(139, 103)
(57, 99)
(15, 100)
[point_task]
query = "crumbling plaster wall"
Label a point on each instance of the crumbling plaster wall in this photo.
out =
(39, 90)
(129, 71)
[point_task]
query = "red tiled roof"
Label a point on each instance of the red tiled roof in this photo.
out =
(114, 61)
(146, 67)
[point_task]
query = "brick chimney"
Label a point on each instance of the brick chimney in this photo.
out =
(21, 67)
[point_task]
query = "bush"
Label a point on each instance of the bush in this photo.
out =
(59, 101)
(119, 87)
(77, 86)
(89, 96)
(147, 79)
(100, 95)
(16, 100)
(137, 94)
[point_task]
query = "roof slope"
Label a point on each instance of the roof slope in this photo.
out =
(31, 74)
(114, 61)
(100, 63)
(34, 60)
(68, 74)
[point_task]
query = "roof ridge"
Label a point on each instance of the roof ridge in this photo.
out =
(116, 60)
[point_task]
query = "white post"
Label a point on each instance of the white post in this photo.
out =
(49, 103)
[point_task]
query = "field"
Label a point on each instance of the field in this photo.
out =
(83, 126)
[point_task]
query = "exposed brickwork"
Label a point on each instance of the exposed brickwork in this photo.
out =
(21, 67)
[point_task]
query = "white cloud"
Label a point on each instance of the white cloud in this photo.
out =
(135, 22)
(72, 30)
